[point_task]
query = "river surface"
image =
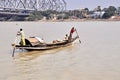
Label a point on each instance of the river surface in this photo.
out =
(96, 58)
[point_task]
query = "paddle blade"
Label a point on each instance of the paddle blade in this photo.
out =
(78, 36)
(13, 52)
(79, 41)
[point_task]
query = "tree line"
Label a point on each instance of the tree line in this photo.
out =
(74, 14)
(84, 13)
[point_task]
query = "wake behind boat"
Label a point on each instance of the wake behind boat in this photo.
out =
(36, 43)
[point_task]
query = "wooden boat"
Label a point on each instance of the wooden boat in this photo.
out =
(35, 44)
(45, 46)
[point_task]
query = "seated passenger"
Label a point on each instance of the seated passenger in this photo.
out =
(66, 37)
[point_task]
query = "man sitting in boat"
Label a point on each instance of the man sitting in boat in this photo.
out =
(36, 40)
(66, 37)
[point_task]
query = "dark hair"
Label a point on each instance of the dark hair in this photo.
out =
(20, 29)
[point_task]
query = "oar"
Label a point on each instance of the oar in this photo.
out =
(78, 36)
(14, 46)
(13, 52)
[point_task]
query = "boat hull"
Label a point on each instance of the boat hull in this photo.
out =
(47, 46)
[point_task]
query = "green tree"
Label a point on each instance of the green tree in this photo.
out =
(36, 15)
(109, 12)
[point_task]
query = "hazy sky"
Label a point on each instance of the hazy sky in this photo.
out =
(91, 4)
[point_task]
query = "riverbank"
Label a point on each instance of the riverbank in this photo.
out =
(78, 20)
(70, 20)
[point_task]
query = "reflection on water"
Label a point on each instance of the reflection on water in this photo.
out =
(96, 58)
(42, 63)
(30, 55)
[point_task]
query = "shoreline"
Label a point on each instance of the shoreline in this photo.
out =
(70, 20)
(78, 20)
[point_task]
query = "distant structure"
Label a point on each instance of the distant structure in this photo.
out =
(19, 9)
(39, 5)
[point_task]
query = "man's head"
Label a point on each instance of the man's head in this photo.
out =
(66, 34)
(20, 29)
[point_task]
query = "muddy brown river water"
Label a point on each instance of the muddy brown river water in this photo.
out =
(96, 58)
